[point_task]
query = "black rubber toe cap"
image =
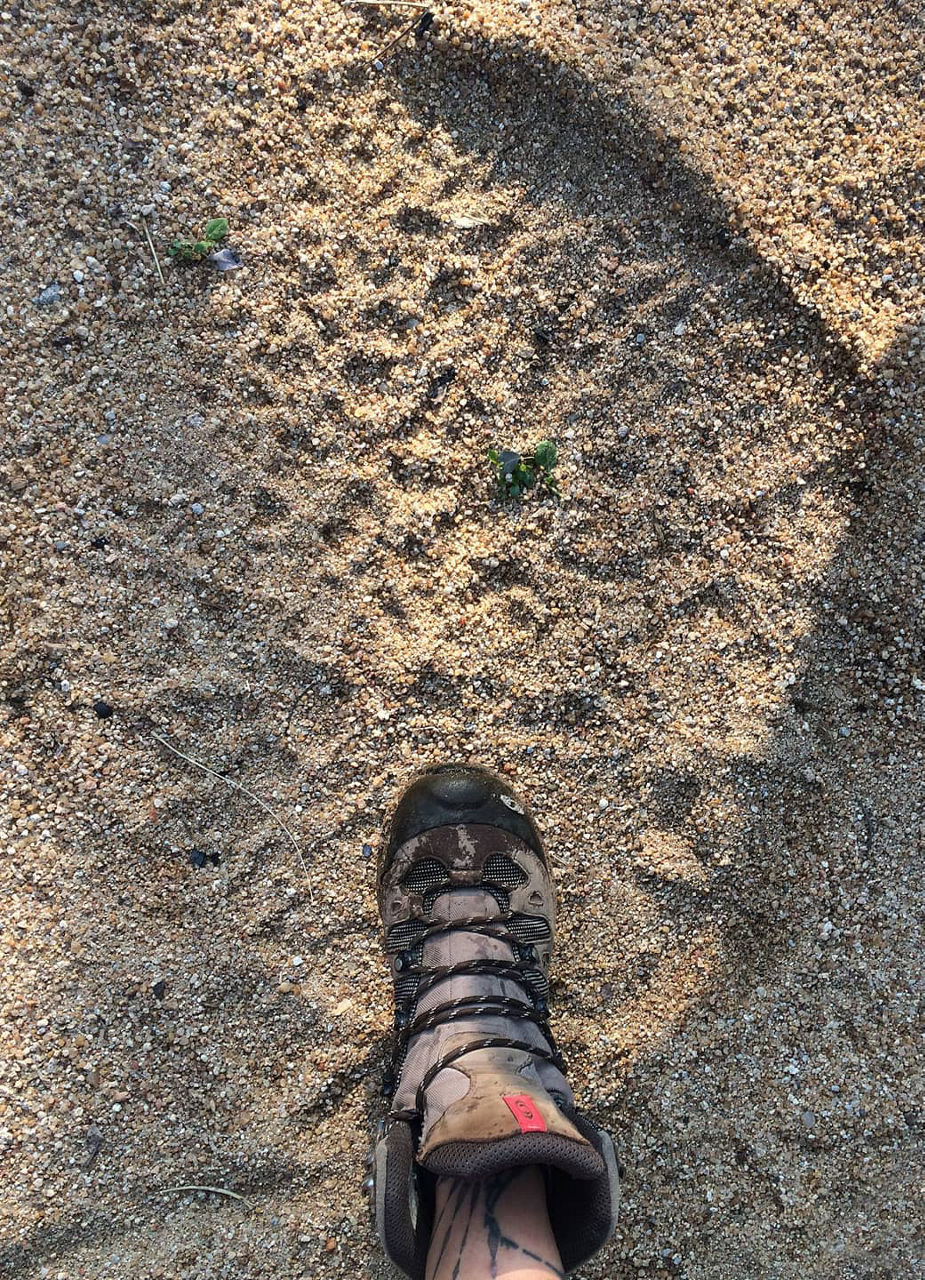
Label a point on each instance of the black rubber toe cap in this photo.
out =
(448, 794)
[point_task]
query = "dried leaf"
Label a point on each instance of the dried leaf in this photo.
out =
(225, 260)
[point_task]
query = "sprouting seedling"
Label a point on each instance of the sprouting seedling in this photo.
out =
(187, 250)
(516, 475)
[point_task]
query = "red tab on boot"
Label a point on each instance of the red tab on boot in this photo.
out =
(525, 1113)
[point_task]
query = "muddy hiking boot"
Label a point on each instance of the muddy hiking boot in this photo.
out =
(477, 1083)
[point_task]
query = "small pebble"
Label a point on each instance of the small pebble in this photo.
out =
(49, 297)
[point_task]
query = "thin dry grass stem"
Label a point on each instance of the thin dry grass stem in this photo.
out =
(157, 265)
(386, 4)
(229, 782)
(405, 31)
(195, 1186)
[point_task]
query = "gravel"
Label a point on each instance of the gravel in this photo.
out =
(249, 511)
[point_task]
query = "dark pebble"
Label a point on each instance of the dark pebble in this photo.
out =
(199, 858)
(438, 388)
(102, 709)
(160, 989)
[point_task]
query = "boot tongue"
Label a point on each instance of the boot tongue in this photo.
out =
(453, 948)
(458, 946)
(490, 1109)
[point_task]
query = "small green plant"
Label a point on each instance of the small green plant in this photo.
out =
(186, 250)
(516, 475)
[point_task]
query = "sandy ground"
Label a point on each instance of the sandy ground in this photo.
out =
(251, 513)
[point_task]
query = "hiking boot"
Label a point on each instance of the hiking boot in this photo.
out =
(477, 1083)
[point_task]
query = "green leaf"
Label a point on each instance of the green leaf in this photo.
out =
(493, 455)
(216, 229)
(182, 250)
(202, 246)
(529, 479)
(515, 490)
(545, 454)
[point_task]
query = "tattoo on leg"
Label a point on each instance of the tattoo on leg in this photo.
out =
(462, 1248)
(535, 1257)
(449, 1210)
(449, 1207)
(494, 1189)
(476, 1225)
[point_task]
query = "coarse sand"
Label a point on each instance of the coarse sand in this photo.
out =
(249, 513)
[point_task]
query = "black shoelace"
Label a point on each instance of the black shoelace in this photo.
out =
(520, 971)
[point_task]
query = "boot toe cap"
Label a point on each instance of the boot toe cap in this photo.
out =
(452, 794)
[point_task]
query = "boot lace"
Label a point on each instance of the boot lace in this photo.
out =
(413, 980)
